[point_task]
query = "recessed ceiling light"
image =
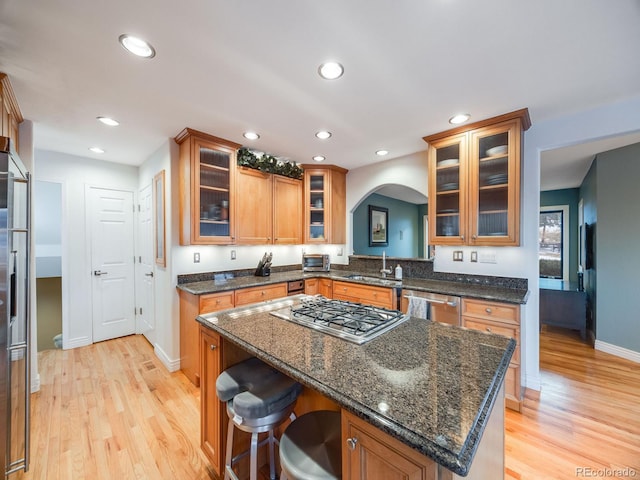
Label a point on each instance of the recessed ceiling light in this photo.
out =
(459, 118)
(323, 134)
(137, 46)
(319, 158)
(108, 121)
(96, 149)
(330, 70)
(251, 135)
(382, 153)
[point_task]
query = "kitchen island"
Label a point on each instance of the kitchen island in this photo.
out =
(431, 387)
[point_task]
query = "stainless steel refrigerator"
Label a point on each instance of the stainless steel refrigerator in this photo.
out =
(14, 311)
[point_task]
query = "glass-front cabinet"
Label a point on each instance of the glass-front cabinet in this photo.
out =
(207, 184)
(474, 182)
(324, 204)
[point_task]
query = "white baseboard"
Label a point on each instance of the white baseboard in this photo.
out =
(76, 342)
(618, 351)
(533, 382)
(35, 383)
(171, 365)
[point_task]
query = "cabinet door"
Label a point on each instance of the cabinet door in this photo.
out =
(447, 191)
(372, 454)
(494, 185)
(316, 188)
(210, 428)
(325, 287)
(254, 207)
(287, 210)
(189, 346)
(311, 286)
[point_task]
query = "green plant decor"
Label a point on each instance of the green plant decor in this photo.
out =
(269, 164)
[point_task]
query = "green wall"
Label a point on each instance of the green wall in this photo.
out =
(567, 196)
(403, 217)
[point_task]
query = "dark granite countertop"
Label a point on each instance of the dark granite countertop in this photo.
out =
(430, 385)
(460, 289)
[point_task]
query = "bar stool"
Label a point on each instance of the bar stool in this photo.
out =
(259, 399)
(310, 447)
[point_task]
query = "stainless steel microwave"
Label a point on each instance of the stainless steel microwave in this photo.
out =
(315, 262)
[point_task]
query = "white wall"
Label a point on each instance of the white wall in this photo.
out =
(75, 174)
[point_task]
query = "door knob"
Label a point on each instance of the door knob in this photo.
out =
(97, 273)
(150, 274)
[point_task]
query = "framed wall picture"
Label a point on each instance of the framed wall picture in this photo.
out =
(378, 226)
(159, 219)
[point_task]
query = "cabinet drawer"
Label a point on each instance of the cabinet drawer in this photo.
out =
(500, 312)
(216, 301)
(512, 383)
(363, 293)
(259, 294)
(498, 328)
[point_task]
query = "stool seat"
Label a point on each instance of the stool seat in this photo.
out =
(259, 399)
(310, 447)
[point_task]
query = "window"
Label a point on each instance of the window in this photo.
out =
(553, 242)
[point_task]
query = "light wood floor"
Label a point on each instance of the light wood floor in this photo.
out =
(112, 411)
(587, 415)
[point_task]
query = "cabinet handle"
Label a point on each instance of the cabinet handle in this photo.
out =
(218, 302)
(212, 347)
(474, 236)
(351, 443)
(489, 329)
(462, 237)
(263, 292)
(344, 288)
(488, 310)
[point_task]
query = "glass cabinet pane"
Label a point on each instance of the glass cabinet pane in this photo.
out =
(493, 185)
(214, 198)
(317, 199)
(448, 193)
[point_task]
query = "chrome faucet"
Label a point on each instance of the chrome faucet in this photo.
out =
(384, 270)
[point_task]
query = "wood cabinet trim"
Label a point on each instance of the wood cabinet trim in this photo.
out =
(10, 99)
(522, 114)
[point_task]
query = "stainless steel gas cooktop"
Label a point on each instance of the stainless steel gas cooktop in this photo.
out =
(354, 322)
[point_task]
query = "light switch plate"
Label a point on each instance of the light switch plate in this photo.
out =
(487, 257)
(457, 256)
(233, 254)
(196, 257)
(474, 256)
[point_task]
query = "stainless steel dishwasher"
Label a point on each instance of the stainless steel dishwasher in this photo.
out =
(439, 308)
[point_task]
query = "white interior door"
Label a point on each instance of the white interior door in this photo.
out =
(112, 260)
(145, 266)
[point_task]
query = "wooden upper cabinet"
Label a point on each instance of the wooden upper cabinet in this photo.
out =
(207, 188)
(325, 190)
(474, 182)
(10, 114)
(269, 208)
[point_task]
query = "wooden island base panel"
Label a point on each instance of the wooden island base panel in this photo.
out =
(390, 427)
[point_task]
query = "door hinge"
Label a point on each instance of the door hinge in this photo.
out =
(139, 258)
(138, 207)
(140, 310)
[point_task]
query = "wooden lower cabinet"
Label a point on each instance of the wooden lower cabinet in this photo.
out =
(355, 292)
(190, 307)
(318, 286)
(260, 294)
(503, 319)
(210, 406)
(368, 453)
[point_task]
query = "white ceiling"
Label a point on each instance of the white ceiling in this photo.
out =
(225, 67)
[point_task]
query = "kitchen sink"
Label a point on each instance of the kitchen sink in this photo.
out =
(375, 280)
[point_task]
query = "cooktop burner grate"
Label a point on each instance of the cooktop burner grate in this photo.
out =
(352, 321)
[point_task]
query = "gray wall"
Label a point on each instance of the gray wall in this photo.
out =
(618, 255)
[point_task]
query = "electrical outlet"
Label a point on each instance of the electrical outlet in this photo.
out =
(474, 256)
(457, 256)
(340, 252)
(233, 254)
(196, 257)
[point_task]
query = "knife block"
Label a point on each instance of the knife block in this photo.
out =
(263, 271)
